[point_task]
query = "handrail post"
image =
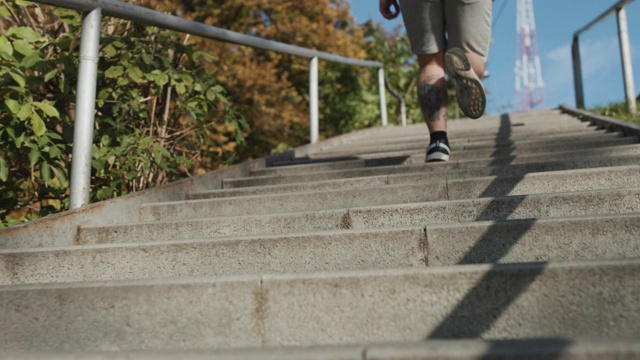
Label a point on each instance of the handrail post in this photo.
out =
(383, 96)
(403, 105)
(85, 109)
(577, 72)
(625, 55)
(313, 100)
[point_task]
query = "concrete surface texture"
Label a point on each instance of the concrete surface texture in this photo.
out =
(525, 245)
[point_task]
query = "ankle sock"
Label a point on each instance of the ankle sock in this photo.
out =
(439, 136)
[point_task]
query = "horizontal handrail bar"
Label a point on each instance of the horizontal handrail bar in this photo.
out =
(146, 16)
(604, 122)
(617, 6)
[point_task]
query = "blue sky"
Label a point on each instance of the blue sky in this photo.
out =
(556, 21)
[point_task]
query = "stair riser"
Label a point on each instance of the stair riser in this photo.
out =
(555, 156)
(493, 302)
(462, 146)
(446, 171)
(490, 209)
(604, 237)
(425, 189)
(536, 142)
(291, 203)
(573, 349)
(516, 157)
(399, 179)
(321, 252)
(543, 148)
(417, 155)
(584, 238)
(481, 134)
(443, 212)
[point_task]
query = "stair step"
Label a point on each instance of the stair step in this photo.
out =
(529, 240)
(524, 246)
(475, 149)
(579, 238)
(444, 171)
(472, 349)
(329, 251)
(379, 180)
(569, 299)
(600, 202)
(419, 190)
(487, 131)
(460, 142)
(417, 155)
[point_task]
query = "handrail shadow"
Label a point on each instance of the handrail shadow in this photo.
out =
(497, 289)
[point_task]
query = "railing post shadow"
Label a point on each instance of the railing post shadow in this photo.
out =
(85, 110)
(313, 100)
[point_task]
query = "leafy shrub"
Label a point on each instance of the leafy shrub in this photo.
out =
(160, 114)
(619, 111)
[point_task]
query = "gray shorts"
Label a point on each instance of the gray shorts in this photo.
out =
(466, 23)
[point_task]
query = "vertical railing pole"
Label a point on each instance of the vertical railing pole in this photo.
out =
(313, 100)
(85, 109)
(383, 96)
(625, 55)
(577, 73)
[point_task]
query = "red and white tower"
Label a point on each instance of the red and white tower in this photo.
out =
(529, 84)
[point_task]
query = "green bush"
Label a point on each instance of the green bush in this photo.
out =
(619, 111)
(160, 115)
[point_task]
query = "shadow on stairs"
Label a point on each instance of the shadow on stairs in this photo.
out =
(524, 245)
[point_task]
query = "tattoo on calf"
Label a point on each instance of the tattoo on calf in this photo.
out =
(432, 97)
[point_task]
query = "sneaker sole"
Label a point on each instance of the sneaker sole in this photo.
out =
(469, 89)
(437, 156)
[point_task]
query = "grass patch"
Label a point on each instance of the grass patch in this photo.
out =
(619, 111)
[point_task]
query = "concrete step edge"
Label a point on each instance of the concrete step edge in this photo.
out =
(236, 255)
(347, 154)
(598, 202)
(468, 139)
(505, 241)
(471, 349)
(460, 301)
(587, 237)
(597, 152)
(426, 189)
(407, 156)
(447, 167)
(346, 183)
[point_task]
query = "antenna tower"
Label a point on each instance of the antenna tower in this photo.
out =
(529, 84)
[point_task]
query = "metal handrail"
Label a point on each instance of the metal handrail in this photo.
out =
(126, 11)
(87, 72)
(625, 55)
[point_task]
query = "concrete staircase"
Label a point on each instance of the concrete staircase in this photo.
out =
(526, 245)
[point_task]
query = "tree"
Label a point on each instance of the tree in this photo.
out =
(271, 89)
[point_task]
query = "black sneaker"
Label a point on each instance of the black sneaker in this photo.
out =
(469, 89)
(438, 151)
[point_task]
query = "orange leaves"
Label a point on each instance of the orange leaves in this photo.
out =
(271, 89)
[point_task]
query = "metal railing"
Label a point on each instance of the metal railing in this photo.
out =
(625, 54)
(88, 69)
